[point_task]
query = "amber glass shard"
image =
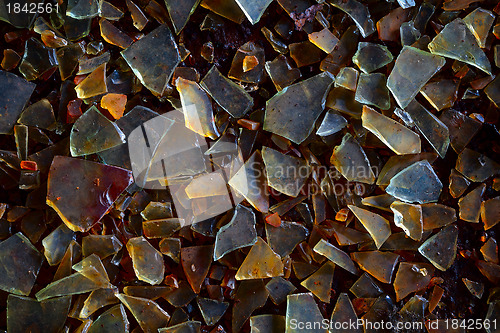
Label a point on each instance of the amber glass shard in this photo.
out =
(148, 313)
(211, 310)
(56, 243)
(324, 39)
(470, 205)
(267, 323)
(26, 314)
(261, 262)
(228, 9)
(148, 262)
(19, 265)
(348, 236)
(275, 41)
(284, 238)
(412, 69)
(157, 210)
(113, 35)
(196, 261)
(365, 287)
(343, 100)
(412, 277)
(370, 56)
(305, 53)
(16, 93)
(303, 308)
(82, 9)
(37, 59)
(456, 41)
(475, 288)
(230, 96)
(397, 163)
(101, 245)
(94, 84)
(39, 114)
(149, 292)
(379, 264)
(250, 295)
(388, 26)
(281, 72)
(113, 320)
(336, 255)
(332, 123)
(93, 133)
(97, 299)
(409, 218)
(115, 104)
(490, 270)
(378, 227)
(479, 23)
(186, 327)
(320, 282)
(359, 14)
(279, 288)
(254, 75)
(490, 250)
(347, 78)
(372, 90)
(416, 183)
(343, 313)
(10, 59)
(68, 58)
(490, 212)
(436, 215)
(458, 184)
(493, 89)
(153, 69)
(161, 228)
(475, 166)
(441, 94)
(441, 249)
(382, 201)
(109, 11)
(461, 128)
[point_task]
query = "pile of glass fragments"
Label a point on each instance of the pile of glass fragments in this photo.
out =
(249, 165)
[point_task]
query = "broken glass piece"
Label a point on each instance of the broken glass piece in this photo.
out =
(101, 245)
(370, 57)
(490, 250)
(412, 277)
(416, 183)
(147, 261)
(378, 227)
(441, 94)
(461, 128)
(16, 93)
(275, 41)
(161, 228)
(109, 11)
(324, 39)
(196, 261)
(37, 59)
(180, 12)
(475, 288)
(475, 166)
(389, 25)
(441, 249)
(227, 9)
(409, 34)
(359, 14)
(347, 78)
(470, 205)
(332, 123)
(251, 294)
(348, 236)
(372, 90)
(493, 91)
(303, 308)
(336, 255)
(157, 210)
(281, 72)
(68, 58)
(76, 29)
(140, 20)
(320, 282)
(10, 59)
(82, 9)
(19, 265)
(211, 310)
(98, 299)
(237, 72)
(39, 114)
(279, 288)
(305, 53)
(148, 313)
(382, 201)
(379, 264)
(253, 9)
(397, 163)
(153, 69)
(409, 218)
(56, 243)
(113, 320)
(93, 133)
(149, 292)
(197, 108)
(284, 238)
(113, 35)
(94, 84)
(186, 327)
(50, 39)
(171, 247)
(412, 69)
(396, 136)
(437, 215)
(261, 262)
(479, 23)
(267, 323)
(490, 212)
(343, 313)
(456, 41)
(343, 100)
(366, 287)
(115, 104)
(490, 270)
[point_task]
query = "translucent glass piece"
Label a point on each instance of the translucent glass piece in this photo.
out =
(275, 41)
(343, 313)
(251, 295)
(19, 265)
(441, 249)
(261, 262)
(379, 264)
(493, 89)
(115, 104)
(76, 29)
(279, 289)
(409, 218)
(101, 245)
(382, 201)
(153, 69)
(490, 250)
(320, 282)
(212, 310)
(148, 313)
(359, 14)
(227, 9)
(366, 287)
(347, 78)
(456, 41)
(470, 204)
(253, 9)
(37, 59)
(409, 34)
(229, 95)
(94, 84)
(114, 36)
(441, 94)
(475, 166)
(147, 261)
(336, 255)
(113, 320)
(93, 133)
(254, 75)
(281, 72)
(304, 309)
(39, 114)
(305, 53)
(332, 123)
(196, 261)
(397, 163)
(157, 210)
(161, 228)
(324, 39)
(348, 236)
(68, 58)
(343, 100)
(378, 227)
(475, 288)
(97, 299)
(292, 112)
(461, 128)
(437, 215)
(10, 59)
(490, 212)
(16, 93)
(267, 323)
(82, 9)
(370, 56)
(284, 238)
(412, 69)
(416, 183)
(180, 12)
(479, 23)
(56, 243)
(109, 11)
(186, 327)
(412, 277)
(372, 90)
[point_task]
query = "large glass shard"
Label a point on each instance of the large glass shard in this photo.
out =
(101, 245)
(212, 310)
(412, 69)
(153, 69)
(441, 94)
(461, 128)
(378, 264)
(97, 299)
(26, 314)
(475, 166)
(284, 238)
(303, 309)
(412, 277)
(113, 320)
(94, 84)
(92, 132)
(147, 261)
(148, 313)
(180, 12)
(437, 215)
(479, 23)
(359, 14)
(441, 249)
(16, 92)
(247, 51)
(456, 41)
(490, 250)
(68, 58)
(292, 112)
(230, 96)
(372, 90)
(470, 205)
(378, 227)
(39, 114)
(490, 212)
(416, 183)
(331, 124)
(250, 295)
(82, 9)
(320, 282)
(397, 163)
(336, 255)
(350, 159)
(239, 232)
(286, 174)
(370, 56)
(253, 9)
(37, 59)
(261, 262)
(197, 108)
(409, 218)
(279, 289)
(56, 243)
(196, 261)
(281, 72)
(19, 265)
(267, 323)
(396, 136)
(186, 327)
(343, 313)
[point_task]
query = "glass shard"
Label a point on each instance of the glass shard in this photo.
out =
(254, 75)
(284, 238)
(305, 53)
(281, 72)
(253, 9)
(161, 228)
(343, 100)
(490, 250)
(324, 39)
(370, 57)
(56, 243)
(378, 264)
(475, 288)
(250, 295)
(148, 313)
(94, 84)
(409, 218)
(343, 313)
(16, 93)
(196, 261)
(303, 308)
(147, 261)
(436, 215)
(441, 94)
(267, 323)
(278, 289)
(397, 163)
(366, 287)
(186, 327)
(372, 90)
(347, 78)
(180, 12)
(320, 282)
(441, 249)
(211, 310)
(470, 205)
(461, 128)
(101, 245)
(412, 277)
(39, 114)
(97, 299)
(37, 59)
(113, 320)
(378, 227)
(490, 212)
(332, 123)
(82, 9)
(479, 23)
(359, 14)
(336, 255)
(475, 166)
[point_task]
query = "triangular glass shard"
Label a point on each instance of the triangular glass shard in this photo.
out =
(359, 14)
(456, 41)
(148, 313)
(412, 69)
(261, 262)
(147, 261)
(251, 295)
(82, 9)
(470, 205)
(378, 227)
(409, 218)
(187, 327)
(196, 261)
(279, 289)
(227, 9)
(441, 94)
(39, 114)
(370, 56)
(332, 123)
(92, 133)
(109, 11)
(441, 249)
(284, 238)
(113, 35)
(344, 313)
(350, 159)
(303, 308)
(458, 184)
(56, 243)
(475, 288)
(476, 166)
(490, 250)
(212, 310)
(97, 299)
(267, 323)
(436, 215)
(68, 58)
(180, 11)
(372, 90)
(348, 236)
(320, 282)
(336, 255)
(113, 320)
(462, 128)
(412, 277)
(292, 112)
(493, 89)
(94, 84)
(253, 9)
(379, 264)
(382, 201)
(366, 287)
(417, 183)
